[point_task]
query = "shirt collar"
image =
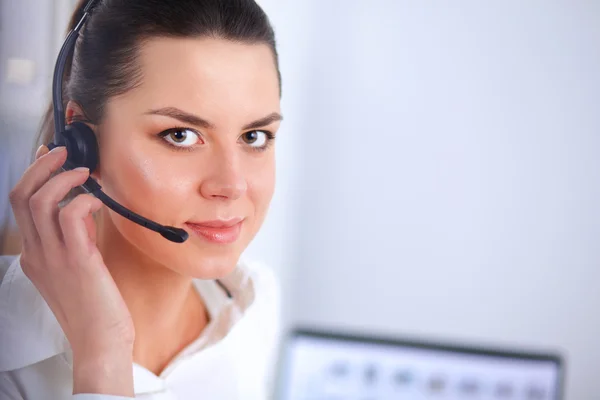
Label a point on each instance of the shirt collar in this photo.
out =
(29, 332)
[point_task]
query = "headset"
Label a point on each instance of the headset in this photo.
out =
(81, 143)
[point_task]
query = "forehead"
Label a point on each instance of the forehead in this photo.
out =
(207, 76)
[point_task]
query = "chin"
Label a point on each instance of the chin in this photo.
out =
(205, 264)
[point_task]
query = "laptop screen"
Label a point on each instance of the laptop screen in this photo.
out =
(325, 366)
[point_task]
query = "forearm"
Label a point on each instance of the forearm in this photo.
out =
(110, 374)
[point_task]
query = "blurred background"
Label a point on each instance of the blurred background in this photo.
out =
(438, 166)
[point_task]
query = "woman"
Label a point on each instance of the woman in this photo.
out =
(184, 98)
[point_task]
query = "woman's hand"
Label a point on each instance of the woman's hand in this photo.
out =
(60, 257)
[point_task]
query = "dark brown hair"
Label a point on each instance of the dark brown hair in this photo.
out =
(104, 61)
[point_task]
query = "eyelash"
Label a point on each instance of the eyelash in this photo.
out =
(270, 138)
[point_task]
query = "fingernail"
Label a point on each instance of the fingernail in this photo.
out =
(82, 169)
(38, 151)
(58, 149)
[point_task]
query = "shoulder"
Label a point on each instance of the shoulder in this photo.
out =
(29, 332)
(51, 378)
(264, 280)
(5, 264)
(258, 334)
(260, 291)
(266, 302)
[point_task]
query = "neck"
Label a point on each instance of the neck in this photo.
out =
(166, 309)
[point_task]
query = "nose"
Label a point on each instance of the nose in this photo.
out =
(225, 180)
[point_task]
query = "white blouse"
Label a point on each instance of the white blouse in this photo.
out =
(233, 358)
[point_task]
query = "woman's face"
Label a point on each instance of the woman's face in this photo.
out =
(191, 147)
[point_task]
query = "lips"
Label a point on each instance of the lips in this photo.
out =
(217, 231)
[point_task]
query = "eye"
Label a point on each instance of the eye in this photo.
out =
(181, 137)
(257, 139)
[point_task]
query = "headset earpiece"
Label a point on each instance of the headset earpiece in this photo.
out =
(82, 146)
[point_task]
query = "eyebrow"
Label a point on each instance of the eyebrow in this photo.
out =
(269, 119)
(187, 118)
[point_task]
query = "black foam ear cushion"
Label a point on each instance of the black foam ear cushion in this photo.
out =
(82, 146)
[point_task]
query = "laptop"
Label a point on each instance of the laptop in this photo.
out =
(318, 365)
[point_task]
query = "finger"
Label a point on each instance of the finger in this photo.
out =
(90, 225)
(41, 151)
(33, 178)
(44, 205)
(72, 222)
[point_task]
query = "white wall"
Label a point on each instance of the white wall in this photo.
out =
(27, 32)
(450, 183)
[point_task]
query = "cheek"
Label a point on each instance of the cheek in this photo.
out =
(141, 179)
(261, 186)
(156, 188)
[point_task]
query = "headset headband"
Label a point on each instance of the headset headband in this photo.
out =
(67, 48)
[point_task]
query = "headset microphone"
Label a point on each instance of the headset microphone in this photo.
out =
(81, 143)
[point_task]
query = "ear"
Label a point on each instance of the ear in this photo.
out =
(75, 112)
